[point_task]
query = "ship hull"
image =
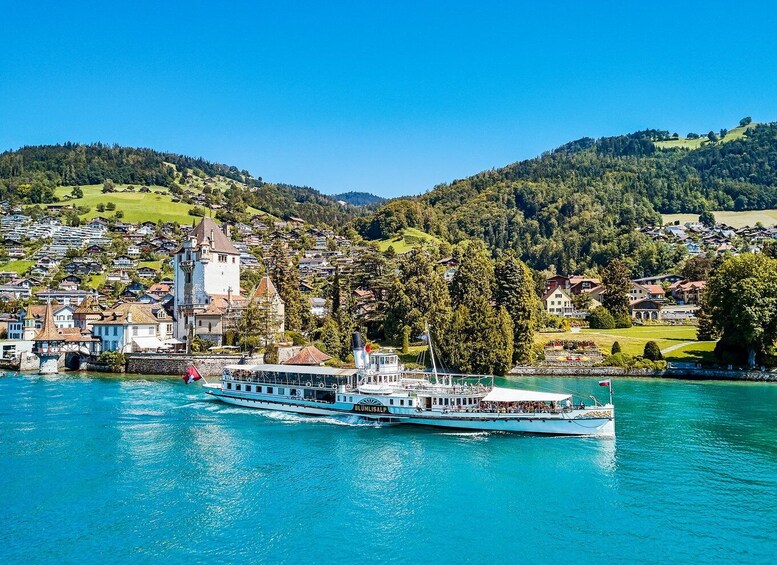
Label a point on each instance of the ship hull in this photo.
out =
(525, 424)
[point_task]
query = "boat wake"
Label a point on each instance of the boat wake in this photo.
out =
(350, 420)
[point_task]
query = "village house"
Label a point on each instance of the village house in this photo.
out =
(35, 316)
(558, 302)
(128, 328)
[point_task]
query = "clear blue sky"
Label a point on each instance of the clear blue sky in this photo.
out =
(391, 97)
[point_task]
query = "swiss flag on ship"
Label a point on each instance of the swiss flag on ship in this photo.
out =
(191, 375)
(604, 383)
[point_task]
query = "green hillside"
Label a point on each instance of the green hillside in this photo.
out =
(580, 206)
(136, 206)
(37, 175)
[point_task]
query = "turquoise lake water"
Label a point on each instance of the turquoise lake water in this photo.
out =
(147, 469)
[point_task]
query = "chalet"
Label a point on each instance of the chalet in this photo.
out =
(578, 285)
(557, 281)
(124, 262)
(557, 301)
(147, 272)
(642, 291)
(687, 292)
(76, 280)
(94, 250)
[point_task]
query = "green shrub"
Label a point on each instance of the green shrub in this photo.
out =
(652, 351)
(623, 321)
(114, 359)
(619, 360)
(616, 348)
(601, 319)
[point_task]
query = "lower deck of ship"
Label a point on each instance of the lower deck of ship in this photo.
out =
(532, 423)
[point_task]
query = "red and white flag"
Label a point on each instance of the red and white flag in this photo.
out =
(191, 375)
(604, 383)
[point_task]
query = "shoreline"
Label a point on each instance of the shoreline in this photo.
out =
(678, 373)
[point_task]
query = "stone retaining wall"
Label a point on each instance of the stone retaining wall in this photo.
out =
(669, 373)
(176, 364)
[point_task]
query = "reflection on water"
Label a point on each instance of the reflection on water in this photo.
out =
(150, 469)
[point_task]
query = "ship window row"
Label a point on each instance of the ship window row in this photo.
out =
(260, 389)
(401, 401)
(458, 401)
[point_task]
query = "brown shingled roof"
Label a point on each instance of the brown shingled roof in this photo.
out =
(309, 355)
(266, 289)
(208, 230)
(141, 314)
(49, 331)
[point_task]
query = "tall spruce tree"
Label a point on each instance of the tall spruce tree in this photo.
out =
(419, 295)
(474, 275)
(617, 284)
(515, 293)
(479, 337)
(285, 276)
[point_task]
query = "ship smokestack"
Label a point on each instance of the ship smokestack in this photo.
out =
(361, 357)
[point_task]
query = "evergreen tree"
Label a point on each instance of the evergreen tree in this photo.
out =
(652, 351)
(256, 326)
(285, 277)
(418, 295)
(616, 348)
(474, 276)
(617, 284)
(515, 293)
(336, 300)
(706, 330)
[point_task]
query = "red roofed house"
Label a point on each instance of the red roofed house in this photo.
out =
(310, 356)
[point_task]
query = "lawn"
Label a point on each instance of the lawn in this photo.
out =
(16, 266)
(734, 219)
(632, 341)
(95, 281)
(137, 206)
(685, 143)
(410, 238)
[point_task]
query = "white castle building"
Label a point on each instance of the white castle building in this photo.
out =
(207, 277)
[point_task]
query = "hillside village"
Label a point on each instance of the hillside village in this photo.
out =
(116, 286)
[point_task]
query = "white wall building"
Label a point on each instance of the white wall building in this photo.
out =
(206, 266)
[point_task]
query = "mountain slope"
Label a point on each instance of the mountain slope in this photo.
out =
(579, 206)
(32, 175)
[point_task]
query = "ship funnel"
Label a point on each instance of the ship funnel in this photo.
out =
(361, 357)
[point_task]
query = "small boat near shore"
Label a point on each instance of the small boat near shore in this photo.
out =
(381, 390)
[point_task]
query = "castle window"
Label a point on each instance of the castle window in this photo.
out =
(222, 258)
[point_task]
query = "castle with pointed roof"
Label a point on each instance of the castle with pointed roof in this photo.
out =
(207, 269)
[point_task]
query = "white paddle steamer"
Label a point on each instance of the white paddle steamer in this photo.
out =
(380, 389)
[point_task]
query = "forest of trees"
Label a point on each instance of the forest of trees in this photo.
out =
(30, 175)
(580, 206)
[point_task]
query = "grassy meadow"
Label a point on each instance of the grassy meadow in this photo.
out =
(734, 219)
(632, 341)
(410, 238)
(685, 143)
